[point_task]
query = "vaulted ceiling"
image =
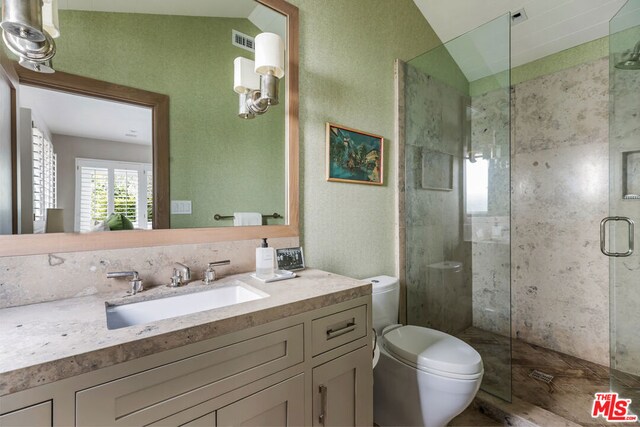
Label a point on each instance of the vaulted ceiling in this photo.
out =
(551, 25)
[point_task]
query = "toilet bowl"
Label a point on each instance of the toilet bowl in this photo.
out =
(423, 377)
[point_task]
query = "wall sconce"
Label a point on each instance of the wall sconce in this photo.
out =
(50, 21)
(24, 34)
(257, 81)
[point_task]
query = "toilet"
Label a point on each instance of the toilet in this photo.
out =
(423, 377)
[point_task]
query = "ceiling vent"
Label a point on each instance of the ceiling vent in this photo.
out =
(242, 40)
(518, 17)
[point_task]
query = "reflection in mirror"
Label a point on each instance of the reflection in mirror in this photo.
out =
(219, 163)
(87, 158)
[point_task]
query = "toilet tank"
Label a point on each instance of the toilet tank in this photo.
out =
(386, 297)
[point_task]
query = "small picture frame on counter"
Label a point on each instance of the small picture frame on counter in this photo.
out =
(291, 259)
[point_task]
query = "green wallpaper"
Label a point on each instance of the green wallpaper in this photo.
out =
(219, 161)
(568, 58)
(347, 49)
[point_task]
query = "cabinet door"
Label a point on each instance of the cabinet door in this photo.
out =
(208, 420)
(343, 391)
(279, 405)
(33, 416)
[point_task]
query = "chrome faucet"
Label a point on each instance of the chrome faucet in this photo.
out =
(135, 282)
(181, 275)
(210, 273)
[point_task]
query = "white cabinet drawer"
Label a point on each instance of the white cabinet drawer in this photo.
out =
(154, 394)
(337, 329)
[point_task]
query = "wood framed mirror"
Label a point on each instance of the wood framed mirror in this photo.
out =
(26, 244)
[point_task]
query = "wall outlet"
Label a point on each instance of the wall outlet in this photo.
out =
(181, 207)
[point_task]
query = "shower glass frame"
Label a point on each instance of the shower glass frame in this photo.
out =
(457, 234)
(624, 202)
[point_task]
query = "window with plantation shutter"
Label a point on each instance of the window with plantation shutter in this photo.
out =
(104, 187)
(44, 179)
(149, 175)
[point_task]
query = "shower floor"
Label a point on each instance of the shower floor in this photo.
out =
(570, 393)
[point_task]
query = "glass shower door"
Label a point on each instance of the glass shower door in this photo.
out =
(457, 194)
(622, 227)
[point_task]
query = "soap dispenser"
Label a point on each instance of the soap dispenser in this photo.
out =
(265, 260)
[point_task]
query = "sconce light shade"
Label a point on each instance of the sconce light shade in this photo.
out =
(50, 21)
(244, 77)
(269, 54)
(23, 19)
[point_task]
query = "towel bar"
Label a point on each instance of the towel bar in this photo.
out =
(219, 217)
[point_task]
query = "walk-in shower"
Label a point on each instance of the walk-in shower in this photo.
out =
(505, 186)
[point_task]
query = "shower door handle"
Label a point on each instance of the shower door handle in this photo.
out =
(603, 236)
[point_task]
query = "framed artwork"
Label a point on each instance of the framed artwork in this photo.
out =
(354, 156)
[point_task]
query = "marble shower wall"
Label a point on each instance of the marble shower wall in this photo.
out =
(39, 278)
(491, 258)
(560, 190)
(438, 291)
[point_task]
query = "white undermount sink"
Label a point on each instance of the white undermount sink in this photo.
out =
(137, 313)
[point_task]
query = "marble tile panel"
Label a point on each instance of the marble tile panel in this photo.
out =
(560, 287)
(568, 183)
(625, 124)
(560, 191)
(491, 268)
(38, 278)
(433, 113)
(569, 107)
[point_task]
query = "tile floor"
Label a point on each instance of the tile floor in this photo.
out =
(570, 393)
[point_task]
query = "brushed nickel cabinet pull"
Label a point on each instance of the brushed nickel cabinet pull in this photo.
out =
(333, 333)
(323, 404)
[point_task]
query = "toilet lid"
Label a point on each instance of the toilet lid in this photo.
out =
(433, 350)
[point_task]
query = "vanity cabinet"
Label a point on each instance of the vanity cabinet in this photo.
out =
(266, 375)
(279, 405)
(38, 415)
(155, 394)
(343, 387)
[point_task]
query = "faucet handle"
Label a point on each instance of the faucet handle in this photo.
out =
(217, 263)
(135, 282)
(210, 273)
(183, 271)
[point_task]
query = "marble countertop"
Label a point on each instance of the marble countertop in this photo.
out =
(47, 342)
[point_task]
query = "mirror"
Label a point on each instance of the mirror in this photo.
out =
(218, 163)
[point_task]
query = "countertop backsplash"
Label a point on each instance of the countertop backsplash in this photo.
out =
(38, 278)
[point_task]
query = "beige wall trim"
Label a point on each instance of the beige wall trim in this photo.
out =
(400, 226)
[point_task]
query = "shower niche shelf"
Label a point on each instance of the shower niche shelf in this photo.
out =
(631, 175)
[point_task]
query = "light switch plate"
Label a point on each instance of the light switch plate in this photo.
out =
(181, 207)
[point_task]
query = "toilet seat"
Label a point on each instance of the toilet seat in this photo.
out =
(434, 352)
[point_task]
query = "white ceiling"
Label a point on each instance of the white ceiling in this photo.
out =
(67, 114)
(552, 25)
(212, 8)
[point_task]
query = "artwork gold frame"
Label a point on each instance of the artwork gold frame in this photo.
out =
(354, 156)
